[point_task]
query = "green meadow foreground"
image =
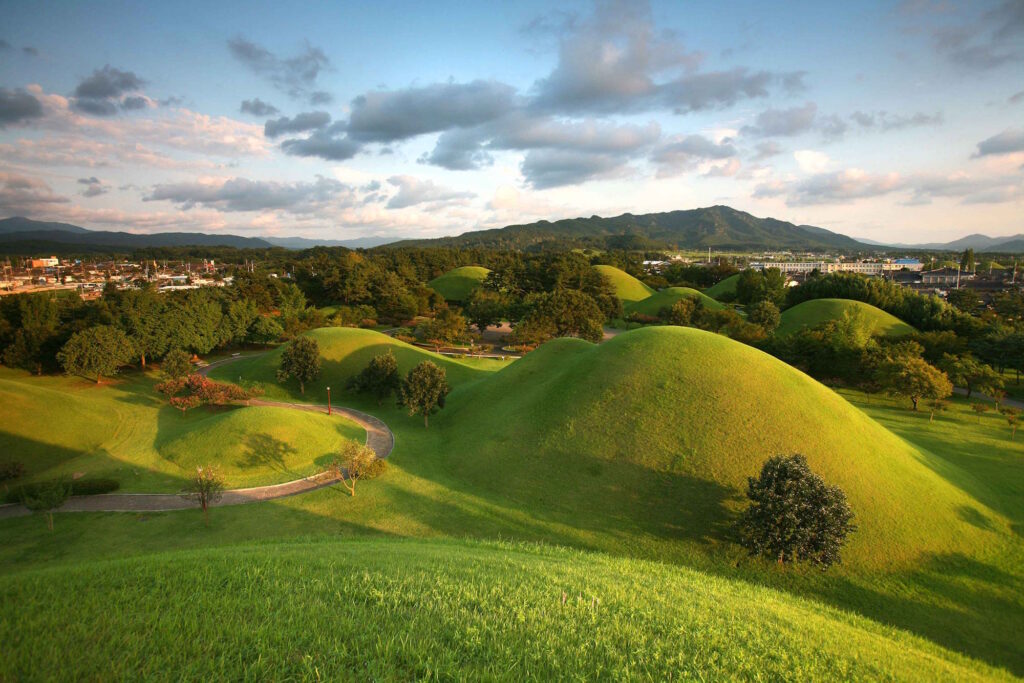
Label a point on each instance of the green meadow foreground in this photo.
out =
(638, 448)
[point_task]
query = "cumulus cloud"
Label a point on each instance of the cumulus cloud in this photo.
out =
(547, 168)
(101, 93)
(296, 76)
(413, 191)
(243, 194)
(300, 123)
(1007, 142)
(258, 107)
(325, 144)
(17, 106)
(682, 153)
(811, 161)
(94, 187)
(24, 195)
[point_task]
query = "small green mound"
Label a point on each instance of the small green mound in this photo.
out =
(664, 298)
(260, 445)
(627, 287)
(393, 610)
(817, 311)
(457, 284)
(726, 286)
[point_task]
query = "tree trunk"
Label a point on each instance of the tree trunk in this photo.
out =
(425, 420)
(49, 521)
(914, 399)
(302, 388)
(142, 358)
(206, 513)
(931, 416)
(968, 390)
(99, 378)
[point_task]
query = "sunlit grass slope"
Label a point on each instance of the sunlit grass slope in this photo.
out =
(664, 298)
(125, 431)
(627, 287)
(726, 286)
(817, 311)
(705, 412)
(457, 284)
(394, 610)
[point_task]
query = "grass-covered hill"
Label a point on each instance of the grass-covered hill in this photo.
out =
(627, 287)
(726, 286)
(664, 298)
(817, 311)
(123, 430)
(457, 284)
(394, 610)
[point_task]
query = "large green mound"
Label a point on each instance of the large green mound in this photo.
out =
(389, 610)
(704, 412)
(726, 286)
(818, 311)
(260, 445)
(627, 287)
(344, 352)
(664, 298)
(457, 284)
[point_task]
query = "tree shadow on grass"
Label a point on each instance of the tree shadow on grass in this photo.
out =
(263, 450)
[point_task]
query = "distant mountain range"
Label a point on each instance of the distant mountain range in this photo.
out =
(1011, 244)
(718, 227)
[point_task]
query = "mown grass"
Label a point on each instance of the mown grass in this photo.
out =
(457, 284)
(817, 311)
(390, 610)
(726, 286)
(664, 298)
(627, 287)
(124, 430)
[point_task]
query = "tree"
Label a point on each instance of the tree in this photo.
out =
(565, 313)
(913, 378)
(998, 396)
(754, 286)
(355, 461)
(141, 315)
(766, 314)
(936, 406)
(485, 308)
(379, 378)
(972, 374)
(205, 487)
(195, 390)
(96, 351)
(37, 333)
(967, 260)
(10, 471)
(980, 409)
(681, 312)
(300, 360)
(47, 497)
(265, 329)
(176, 363)
(424, 390)
(793, 515)
(447, 328)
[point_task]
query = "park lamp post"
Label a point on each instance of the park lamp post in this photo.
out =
(328, 400)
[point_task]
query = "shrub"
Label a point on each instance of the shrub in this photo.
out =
(79, 487)
(793, 515)
(11, 470)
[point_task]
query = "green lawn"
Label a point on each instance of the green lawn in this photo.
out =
(457, 284)
(817, 311)
(639, 448)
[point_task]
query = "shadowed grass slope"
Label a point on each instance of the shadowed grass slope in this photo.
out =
(700, 408)
(817, 311)
(664, 298)
(393, 610)
(457, 284)
(726, 286)
(627, 287)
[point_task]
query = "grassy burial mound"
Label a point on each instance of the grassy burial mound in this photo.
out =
(393, 610)
(668, 423)
(344, 352)
(725, 287)
(259, 445)
(457, 284)
(817, 311)
(664, 298)
(627, 287)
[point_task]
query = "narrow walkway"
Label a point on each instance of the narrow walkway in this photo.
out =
(378, 437)
(1012, 403)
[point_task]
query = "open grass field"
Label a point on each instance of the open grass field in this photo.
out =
(457, 284)
(392, 610)
(627, 287)
(664, 298)
(124, 430)
(638, 448)
(726, 286)
(817, 311)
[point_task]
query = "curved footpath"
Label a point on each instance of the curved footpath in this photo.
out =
(378, 437)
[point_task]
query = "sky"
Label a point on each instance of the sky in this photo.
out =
(892, 121)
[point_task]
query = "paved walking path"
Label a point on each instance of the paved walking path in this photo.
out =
(1013, 403)
(378, 437)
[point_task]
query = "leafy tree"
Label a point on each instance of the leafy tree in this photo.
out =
(913, 378)
(96, 351)
(37, 336)
(965, 299)
(379, 378)
(681, 312)
(766, 314)
(997, 395)
(205, 487)
(793, 515)
(140, 314)
(424, 390)
(176, 363)
(1012, 416)
(301, 360)
(448, 327)
(936, 406)
(485, 308)
(265, 329)
(980, 409)
(754, 286)
(356, 461)
(195, 390)
(47, 497)
(566, 313)
(972, 374)
(967, 260)
(10, 471)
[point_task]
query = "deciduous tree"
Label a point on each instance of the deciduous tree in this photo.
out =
(47, 497)
(301, 361)
(205, 487)
(424, 390)
(379, 378)
(913, 378)
(355, 462)
(176, 363)
(96, 351)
